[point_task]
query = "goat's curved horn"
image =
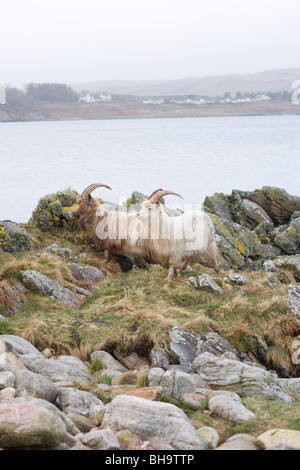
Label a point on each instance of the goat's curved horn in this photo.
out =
(91, 188)
(156, 195)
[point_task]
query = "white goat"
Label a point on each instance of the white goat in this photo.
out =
(175, 241)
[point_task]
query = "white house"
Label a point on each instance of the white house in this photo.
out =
(87, 98)
(2, 93)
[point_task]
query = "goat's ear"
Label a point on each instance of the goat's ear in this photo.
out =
(157, 203)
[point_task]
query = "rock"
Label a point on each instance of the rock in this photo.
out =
(108, 361)
(84, 273)
(205, 282)
(150, 419)
(129, 441)
(195, 401)
(243, 379)
(293, 298)
(289, 239)
(8, 361)
(149, 393)
(55, 211)
(13, 237)
(23, 425)
(8, 393)
(97, 415)
(75, 401)
(210, 436)
(174, 384)
(17, 345)
(217, 346)
(56, 371)
(277, 436)
(101, 439)
(229, 409)
(129, 378)
(74, 361)
(132, 361)
(185, 344)
(159, 357)
(293, 387)
(250, 214)
(219, 204)
(71, 428)
(291, 263)
(277, 203)
(237, 279)
(38, 282)
(64, 253)
(81, 422)
(7, 379)
(283, 446)
(237, 444)
(35, 385)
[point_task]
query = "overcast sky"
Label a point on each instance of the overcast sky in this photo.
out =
(88, 40)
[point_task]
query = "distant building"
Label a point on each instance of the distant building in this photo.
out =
(2, 93)
(102, 98)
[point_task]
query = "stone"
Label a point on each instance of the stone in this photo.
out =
(17, 345)
(289, 239)
(64, 253)
(14, 296)
(277, 203)
(132, 361)
(159, 357)
(129, 441)
(237, 444)
(219, 204)
(101, 439)
(174, 383)
(74, 401)
(251, 214)
(38, 282)
(205, 282)
(23, 425)
(8, 361)
(293, 298)
(70, 426)
(243, 379)
(108, 361)
(7, 379)
(8, 393)
(293, 387)
(230, 409)
(210, 436)
(55, 211)
(149, 393)
(97, 414)
(195, 401)
(151, 419)
(83, 273)
(74, 361)
(81, 422)
(237, 279)
(56, 371)
(277, 436)
(185, 344)
(35, 385)
(14, 238)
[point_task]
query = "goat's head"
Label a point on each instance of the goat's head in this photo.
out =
(87, 205)
(152, 206)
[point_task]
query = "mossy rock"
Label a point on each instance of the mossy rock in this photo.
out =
(56, 211)
(220, 205)
(289, 239)
(13, 237)
(278, 204)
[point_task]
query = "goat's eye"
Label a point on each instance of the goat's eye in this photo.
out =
(149, 208)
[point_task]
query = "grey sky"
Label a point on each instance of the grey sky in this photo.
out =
(86, 40)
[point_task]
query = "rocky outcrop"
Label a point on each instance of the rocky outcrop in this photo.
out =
(13, 237)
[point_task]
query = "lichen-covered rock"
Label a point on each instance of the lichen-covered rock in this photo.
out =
(56, 211)
(291, 263)
(174, 383)
(289, 239)
(230, 409)
(13, 237)
(293, 298)
(14, 296)
(250, 214)
(64, 253)
(38, 282)
(243, 379)
(277, 436)
(82, 272)
(205, 282)
(219, 204)
(277, 203)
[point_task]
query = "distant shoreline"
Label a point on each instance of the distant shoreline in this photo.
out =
(137, 110)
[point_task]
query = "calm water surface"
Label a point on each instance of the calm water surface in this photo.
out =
(195, 157)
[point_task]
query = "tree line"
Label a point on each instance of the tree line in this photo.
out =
(40, 93)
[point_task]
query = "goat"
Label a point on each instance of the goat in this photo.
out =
(111, 231)
(175, 241)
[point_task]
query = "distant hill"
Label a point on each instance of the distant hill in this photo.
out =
(272, 80)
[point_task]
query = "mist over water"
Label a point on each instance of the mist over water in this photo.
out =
(195, 157)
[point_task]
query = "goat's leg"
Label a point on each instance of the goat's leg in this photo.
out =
(170, 274)
(212, 255)
(181, 267)
(106, 255)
